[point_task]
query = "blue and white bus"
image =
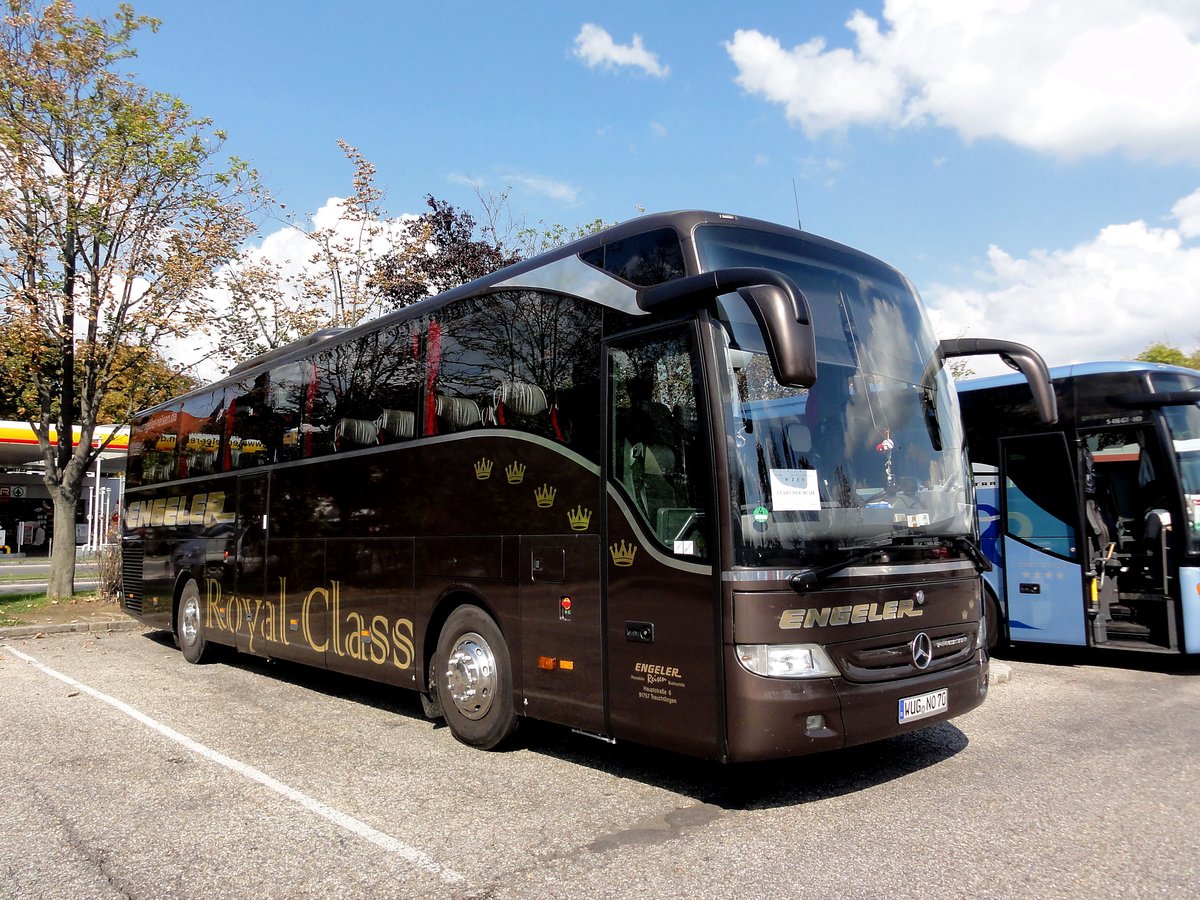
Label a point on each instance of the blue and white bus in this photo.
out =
(1093, 524)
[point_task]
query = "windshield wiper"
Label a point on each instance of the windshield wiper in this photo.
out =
(807, 579)
(972, 551)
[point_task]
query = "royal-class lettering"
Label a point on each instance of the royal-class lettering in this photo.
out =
(380, 641)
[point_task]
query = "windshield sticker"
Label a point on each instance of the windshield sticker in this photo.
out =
(795, 489)
(761, 514)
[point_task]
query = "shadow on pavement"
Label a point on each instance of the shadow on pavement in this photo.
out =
(745, 786)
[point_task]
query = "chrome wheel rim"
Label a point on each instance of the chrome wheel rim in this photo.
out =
(189, 619)
(471, 676)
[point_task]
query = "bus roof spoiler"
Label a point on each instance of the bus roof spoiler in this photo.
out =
(1025, 359)
(778, 305)
(316, 337)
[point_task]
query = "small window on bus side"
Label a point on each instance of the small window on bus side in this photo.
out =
(641, 259)
(290, 396)
(389, 379)
(1041, 504)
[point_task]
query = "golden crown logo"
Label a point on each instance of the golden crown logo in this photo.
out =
(623, 553)
(483, 469)
(515, 472)
(545, 495)
(579, 518)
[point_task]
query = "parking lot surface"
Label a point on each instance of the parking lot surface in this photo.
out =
(126, 772)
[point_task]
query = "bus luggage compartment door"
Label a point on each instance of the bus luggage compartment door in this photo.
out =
(562, 653)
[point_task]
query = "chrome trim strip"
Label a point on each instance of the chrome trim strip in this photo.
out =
(754, 575)
(571, 275)
(648, 543)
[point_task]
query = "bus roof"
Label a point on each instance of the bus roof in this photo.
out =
(516, 277)
(1075, 370)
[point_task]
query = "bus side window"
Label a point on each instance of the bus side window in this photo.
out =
(251, 432)
(460, 375)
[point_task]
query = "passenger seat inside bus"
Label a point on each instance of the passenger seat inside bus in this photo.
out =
(397, 424)
(516, 400)
(353, 433)
(457, 413)
(652, 467)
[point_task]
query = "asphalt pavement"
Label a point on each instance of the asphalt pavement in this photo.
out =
(127, 772)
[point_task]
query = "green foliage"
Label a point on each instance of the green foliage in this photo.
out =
(1161, 352)
(140, 378)
(115, 212)
(453, 255)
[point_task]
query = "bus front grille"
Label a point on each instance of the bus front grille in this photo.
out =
(890, 659)
(132, 554)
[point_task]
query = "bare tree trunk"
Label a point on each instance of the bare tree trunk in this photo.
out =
(62, 554)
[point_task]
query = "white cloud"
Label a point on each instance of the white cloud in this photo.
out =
(596, 47)
(1070, 78)
(658, 129)
(289, 248)
(1187, 213)
(546, 187)
(1107, 298)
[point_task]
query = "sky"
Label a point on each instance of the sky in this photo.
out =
(1032, 167)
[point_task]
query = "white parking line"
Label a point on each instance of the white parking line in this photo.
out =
(341, 819)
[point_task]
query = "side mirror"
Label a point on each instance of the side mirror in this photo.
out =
(779, 307)
(1020, 357)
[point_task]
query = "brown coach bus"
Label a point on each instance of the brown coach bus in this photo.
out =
(695, 481)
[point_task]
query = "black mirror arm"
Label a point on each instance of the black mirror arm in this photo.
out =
(1028, 361)
(778, 305)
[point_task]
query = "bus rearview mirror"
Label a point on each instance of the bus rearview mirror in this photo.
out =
(787, 328)
(1028, 361)
(778, 305)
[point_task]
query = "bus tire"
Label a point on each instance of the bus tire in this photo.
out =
(189, 625)
(474, 679)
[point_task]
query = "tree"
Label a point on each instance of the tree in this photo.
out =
(141, 378)
(1164, 353)
(272, 304)
(452, 255)
(114, 215)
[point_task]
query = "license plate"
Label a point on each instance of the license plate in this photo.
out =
(913, 708)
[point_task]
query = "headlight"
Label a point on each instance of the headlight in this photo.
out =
(786, 660)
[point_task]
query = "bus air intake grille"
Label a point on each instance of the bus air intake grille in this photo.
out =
(132, 554)
(890, 657)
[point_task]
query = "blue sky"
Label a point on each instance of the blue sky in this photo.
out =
(1034, 168)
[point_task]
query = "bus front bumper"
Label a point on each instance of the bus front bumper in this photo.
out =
(775, 718)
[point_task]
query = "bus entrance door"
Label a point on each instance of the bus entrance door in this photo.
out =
(562, 654)
(1042, 570)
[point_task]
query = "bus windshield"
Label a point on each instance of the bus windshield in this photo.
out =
(866, 456)
(1184, 424)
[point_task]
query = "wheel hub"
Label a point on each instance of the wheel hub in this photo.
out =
(471, 676)
(190, 619)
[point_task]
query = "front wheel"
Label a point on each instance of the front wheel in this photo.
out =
(474, 679)
(189, 625)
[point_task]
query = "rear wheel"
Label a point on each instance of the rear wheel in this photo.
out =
(189, 625)
(474, 679)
